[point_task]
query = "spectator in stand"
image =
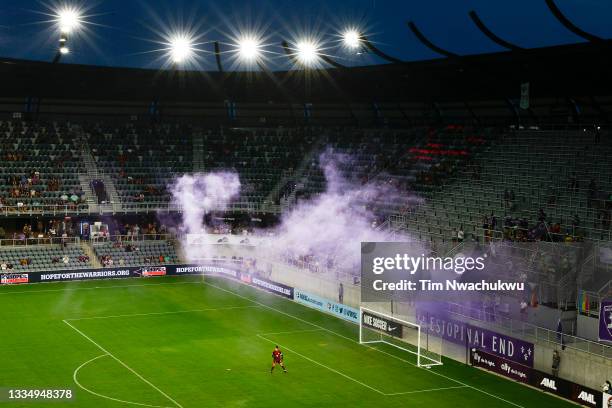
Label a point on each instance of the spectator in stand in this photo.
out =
(460, 234)
(541, 215)
(574, 183)
(162, 259)
(607, 388)
(524, 310)
(591, 192)
(575, 224)
(555, 230)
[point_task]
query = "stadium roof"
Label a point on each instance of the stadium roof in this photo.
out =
(560, 71)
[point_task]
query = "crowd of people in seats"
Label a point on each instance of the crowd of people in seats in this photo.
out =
(42, 231)
(520, 229)
(108, 261)
(28, 190)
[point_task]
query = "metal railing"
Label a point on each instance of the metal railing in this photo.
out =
(54, 209)
(529, 330)
(21, 242)
(146, 207)
(102, 239)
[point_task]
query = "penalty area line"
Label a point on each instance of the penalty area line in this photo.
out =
(123, 364)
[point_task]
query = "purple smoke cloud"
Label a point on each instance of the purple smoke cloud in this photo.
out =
(327, 229)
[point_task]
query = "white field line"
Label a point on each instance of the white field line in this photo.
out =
(373, 348)
(162, 313)
(76, 381)
(123, 364)
(428, 390)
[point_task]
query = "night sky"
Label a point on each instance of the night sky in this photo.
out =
(122, 32)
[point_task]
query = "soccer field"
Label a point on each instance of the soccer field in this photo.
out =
(207, 342)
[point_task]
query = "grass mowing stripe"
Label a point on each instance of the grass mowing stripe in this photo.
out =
(95, 287)
(373, 348)
(162, 313)
(291, 331)
(322, 365)
(76, 381)
(125, 365)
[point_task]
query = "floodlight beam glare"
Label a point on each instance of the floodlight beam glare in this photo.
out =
(351, 39)
(307, 52)
(181, 48)
(68, 20)
(249, 49)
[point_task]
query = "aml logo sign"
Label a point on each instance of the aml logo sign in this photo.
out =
(587, 397)
(548, 383)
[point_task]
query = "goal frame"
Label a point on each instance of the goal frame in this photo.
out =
(420, 357)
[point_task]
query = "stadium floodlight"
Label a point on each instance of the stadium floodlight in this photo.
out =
(249, 49)
(181, 48)
(351, 39)
(307, 52)
(68, 19)
(64, 50)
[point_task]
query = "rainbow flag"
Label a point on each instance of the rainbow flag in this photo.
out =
(583, 302)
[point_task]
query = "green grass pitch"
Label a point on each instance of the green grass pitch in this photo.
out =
(196, 342)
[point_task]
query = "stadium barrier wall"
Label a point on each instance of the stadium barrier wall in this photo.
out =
(562, 388)
(325, 305)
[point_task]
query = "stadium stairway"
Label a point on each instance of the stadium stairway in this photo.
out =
(94, 173)
(198, 152)
(298, 173)
(89, 251)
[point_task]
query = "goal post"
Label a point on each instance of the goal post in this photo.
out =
(377, 327)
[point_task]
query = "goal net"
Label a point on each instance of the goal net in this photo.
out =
(376, 327)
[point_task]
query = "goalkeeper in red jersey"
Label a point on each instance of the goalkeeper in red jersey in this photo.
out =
(277, 358)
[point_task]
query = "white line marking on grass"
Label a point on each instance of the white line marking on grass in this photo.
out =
(125, 365)
(76, 381)
(162, 313)
(429, 390)
(370, 347)
(322, 365)
(96, 287)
